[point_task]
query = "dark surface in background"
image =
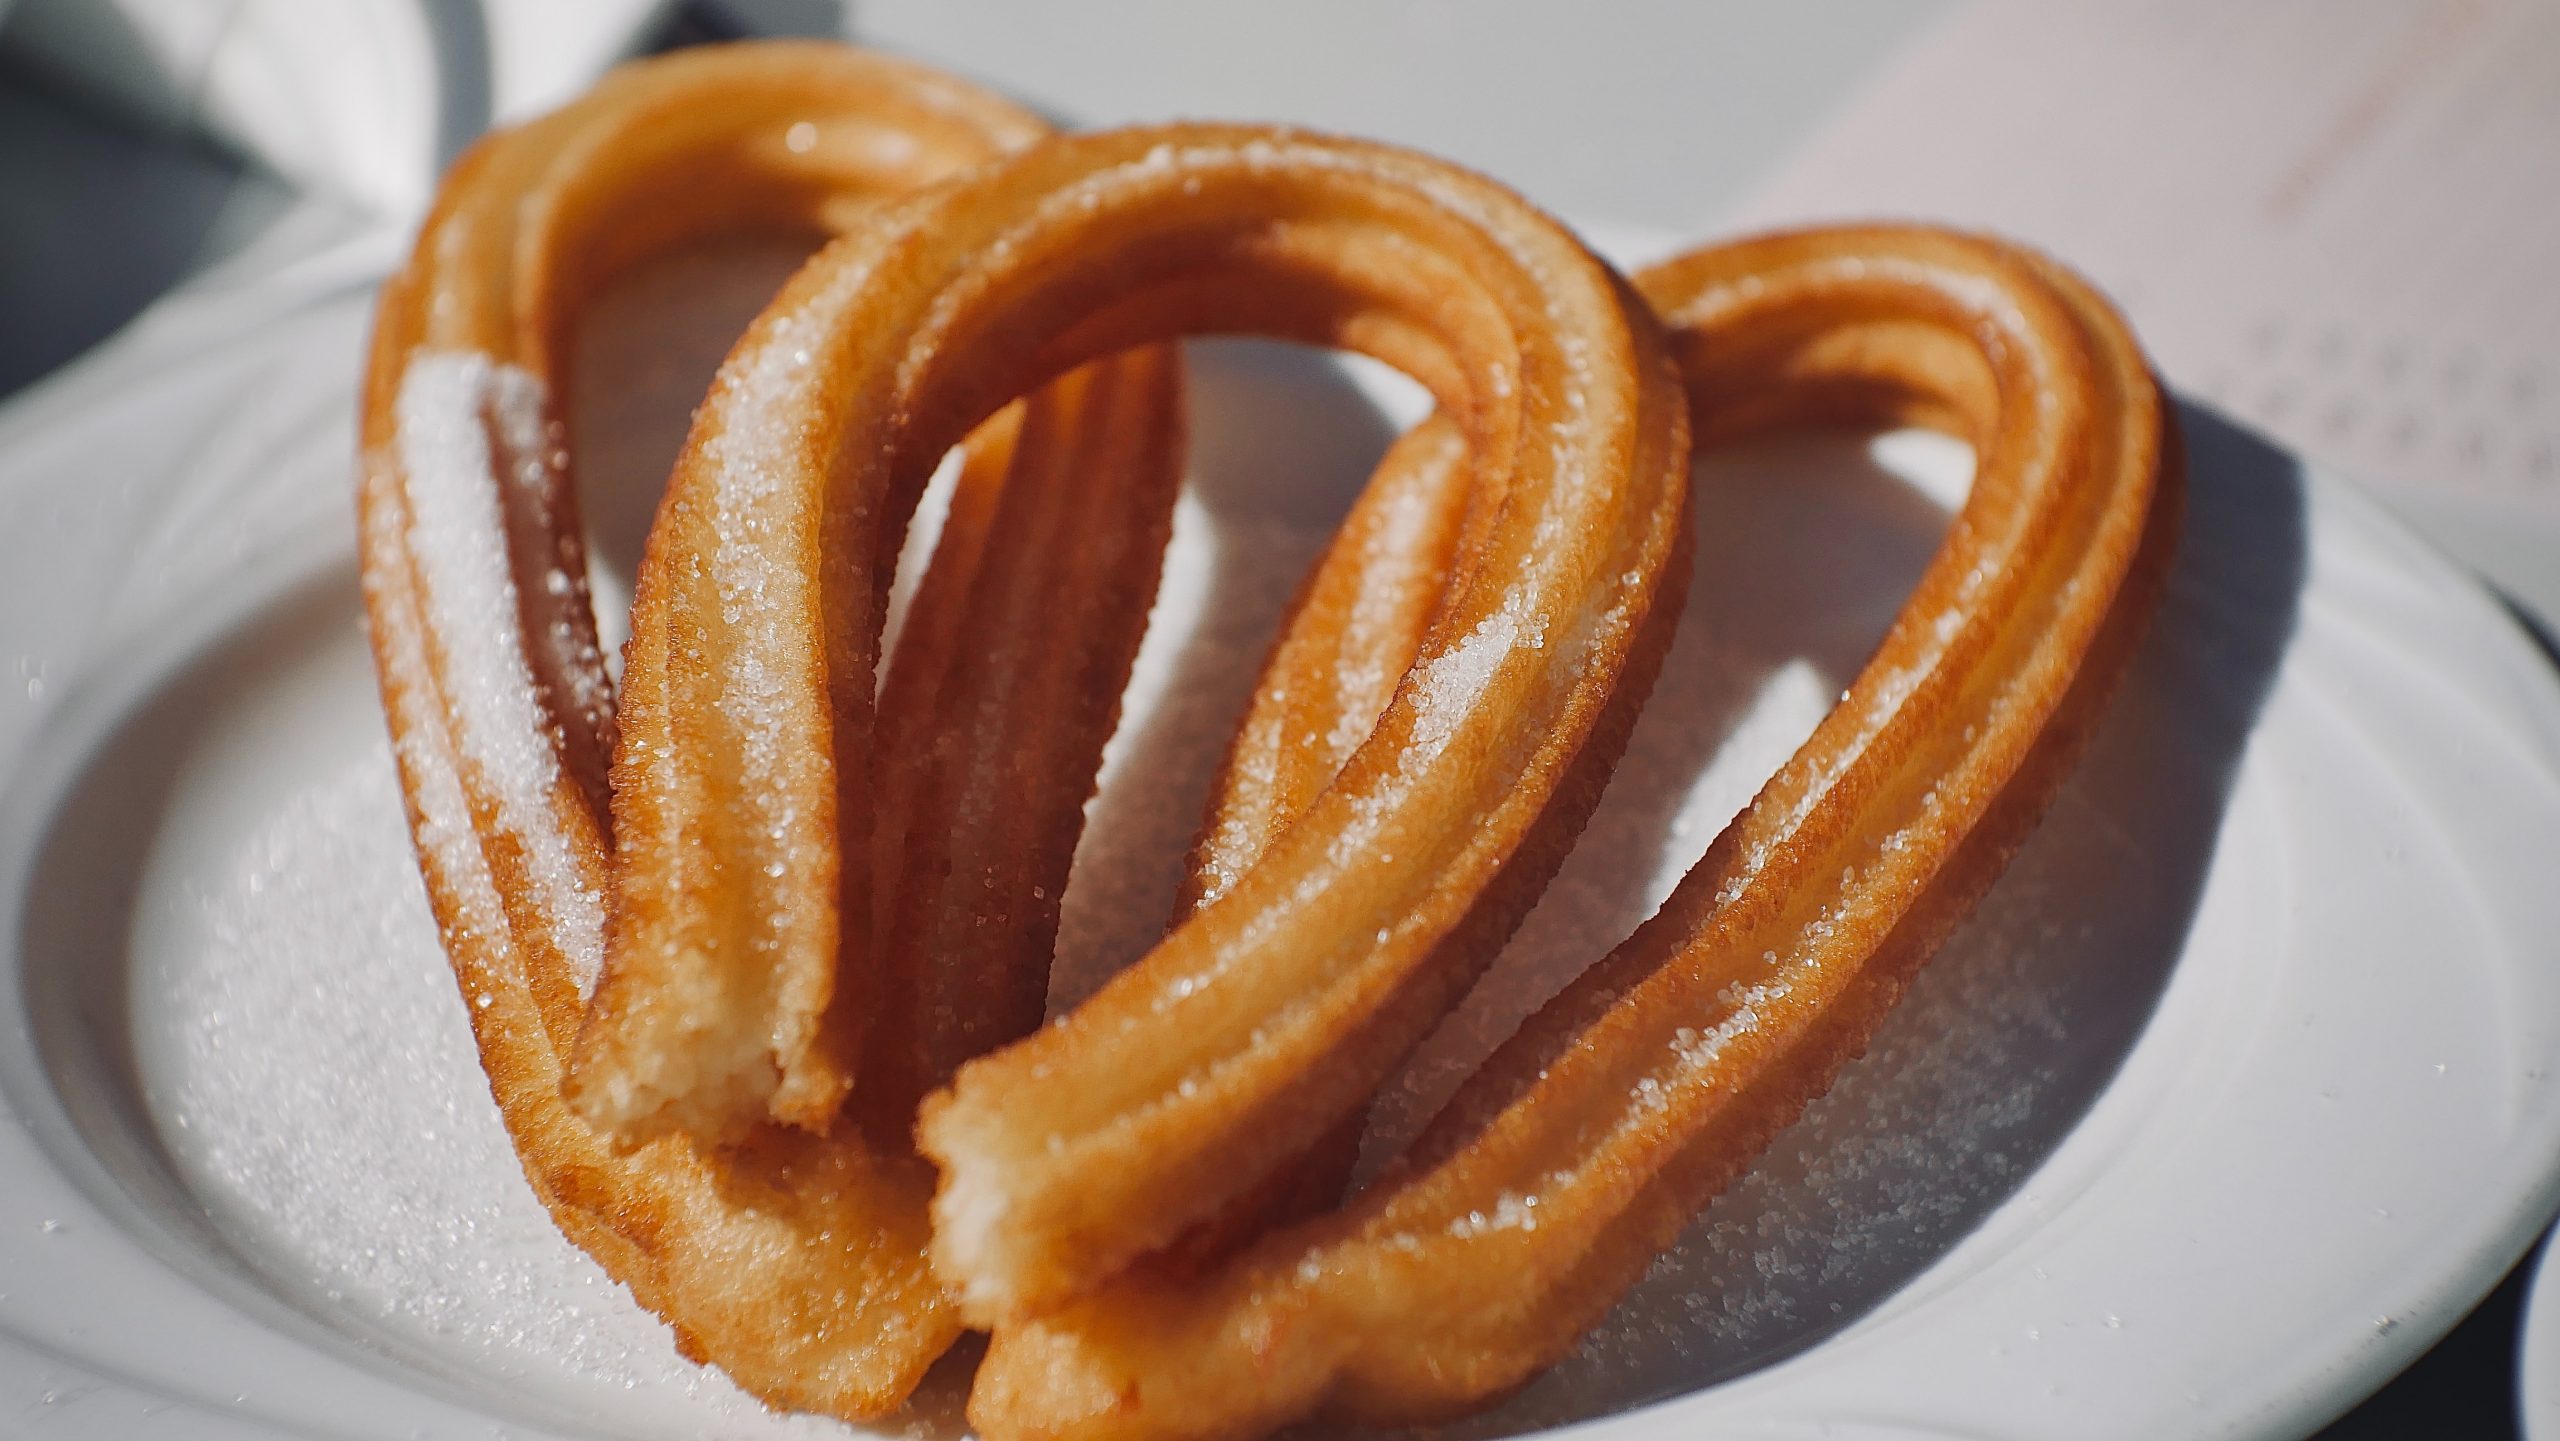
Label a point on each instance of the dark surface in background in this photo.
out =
(2466, 1386)
(97, 220)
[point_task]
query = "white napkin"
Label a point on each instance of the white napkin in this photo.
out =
(359, 100)
(2334, 223)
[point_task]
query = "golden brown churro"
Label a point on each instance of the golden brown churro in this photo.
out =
(1271, 1014)
(795, 1263)
(1363, 616)
(785, 903)
(1005, 687)
(1585, 1144)
(1349, 638)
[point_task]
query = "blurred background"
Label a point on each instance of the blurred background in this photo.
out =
(2333, 221)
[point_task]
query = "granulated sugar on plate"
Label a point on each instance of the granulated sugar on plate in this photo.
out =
(322, 1099)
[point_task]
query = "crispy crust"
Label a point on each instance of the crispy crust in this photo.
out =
(811, 896)
(1004, 689)
(1265, 1019)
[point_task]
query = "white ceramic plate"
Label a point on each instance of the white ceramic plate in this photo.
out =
(2237, 1092)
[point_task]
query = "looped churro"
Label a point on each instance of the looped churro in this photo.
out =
(794, 1262)
(1586, 1143)
(746, 948)
(1273, 1012)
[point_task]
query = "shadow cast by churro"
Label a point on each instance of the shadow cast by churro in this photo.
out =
(2012, 1033)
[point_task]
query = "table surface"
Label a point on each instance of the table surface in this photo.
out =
(1701, 104)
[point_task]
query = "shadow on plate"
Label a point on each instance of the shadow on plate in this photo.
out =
(1281, 442)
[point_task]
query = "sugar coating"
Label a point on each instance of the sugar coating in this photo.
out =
(448, 403)
(647, 351)
(754, 453)
(1447, 687)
